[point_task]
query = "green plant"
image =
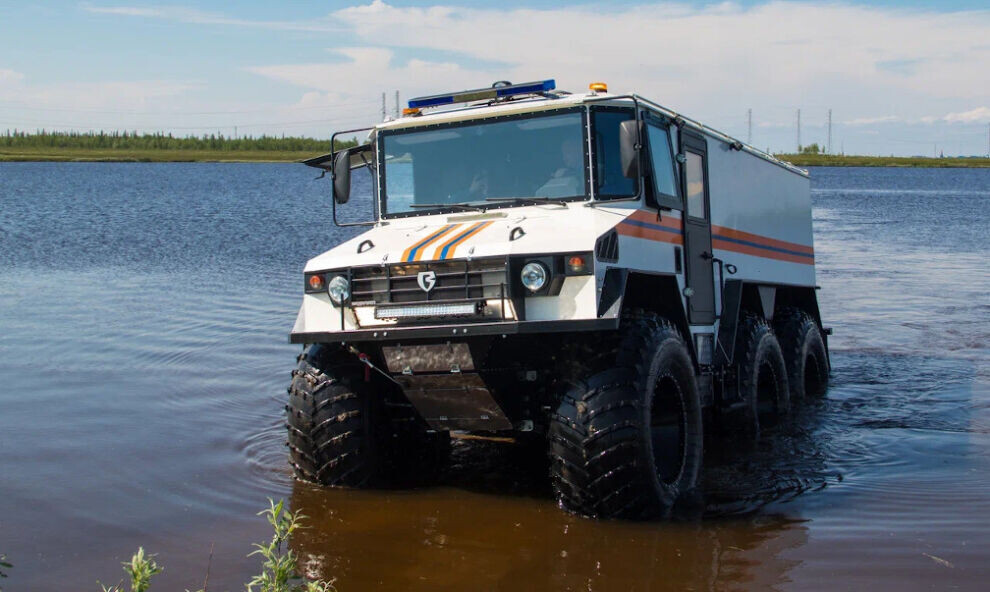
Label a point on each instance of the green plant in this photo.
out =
(279, 568)
(140, 569)
(278, 572)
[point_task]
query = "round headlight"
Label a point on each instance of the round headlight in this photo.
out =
(534, 276)
(339, 289)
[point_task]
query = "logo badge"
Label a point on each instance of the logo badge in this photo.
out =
(426, 280)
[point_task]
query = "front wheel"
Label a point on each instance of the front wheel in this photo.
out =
(348, 428)
(626, 441)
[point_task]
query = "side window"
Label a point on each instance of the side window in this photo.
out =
(610, 181)
(694, 177)
(662, 166)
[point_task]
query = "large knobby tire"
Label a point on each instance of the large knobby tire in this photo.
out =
(349, 429)
(804, 353)
(762, 375)
(626, 441)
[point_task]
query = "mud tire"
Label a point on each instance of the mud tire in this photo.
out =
(602, 440)
(762, 376)
(345, 431)
(804, 353)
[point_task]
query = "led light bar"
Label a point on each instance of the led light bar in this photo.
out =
(413, 311)
(481, 94)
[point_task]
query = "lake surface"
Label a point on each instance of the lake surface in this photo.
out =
(144, 312)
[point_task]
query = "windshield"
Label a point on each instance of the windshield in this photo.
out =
(518, 157)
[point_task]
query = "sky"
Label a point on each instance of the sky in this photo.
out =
(906, 77)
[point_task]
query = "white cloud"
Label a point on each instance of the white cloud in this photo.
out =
(872, 120)
(10, 77)
(200, 17)
(978, 115)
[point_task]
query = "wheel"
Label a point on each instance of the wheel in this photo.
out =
(346, 430)
(804, 353)
(626, 441)
(762, 376)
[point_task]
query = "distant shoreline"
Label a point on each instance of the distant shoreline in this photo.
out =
(44, 154)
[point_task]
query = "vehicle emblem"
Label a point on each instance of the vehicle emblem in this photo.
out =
(426, 280)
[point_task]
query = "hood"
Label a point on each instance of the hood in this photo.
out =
(541, 229)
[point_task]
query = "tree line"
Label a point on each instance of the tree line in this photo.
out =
(124, 140)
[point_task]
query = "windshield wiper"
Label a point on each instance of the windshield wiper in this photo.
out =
(528, 201)
(458, 206)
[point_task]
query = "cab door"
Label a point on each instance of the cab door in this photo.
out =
(699, 273)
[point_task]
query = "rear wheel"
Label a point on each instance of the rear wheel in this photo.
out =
(626, 441)
(346, 430)
(804, 353)
(763, 384)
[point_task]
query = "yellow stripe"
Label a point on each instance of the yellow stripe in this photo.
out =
(422, 242)
(422, 249)
(453, 243)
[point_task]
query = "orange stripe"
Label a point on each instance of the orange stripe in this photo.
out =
(766, 254)
(649, 234)
(756, 238)
(651, 218)
(421, 242)
(422, 249)
(455, 240)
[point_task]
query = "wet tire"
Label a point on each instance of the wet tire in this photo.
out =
(762, 375)
(804, 353)
(626, 441)
(346, 431)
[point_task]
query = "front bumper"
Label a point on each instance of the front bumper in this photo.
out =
(460, 330)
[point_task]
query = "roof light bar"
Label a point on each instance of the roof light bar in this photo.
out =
(481, 94)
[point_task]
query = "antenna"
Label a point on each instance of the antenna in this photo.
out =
(799, 131)
(384, 112)
(749, 126)
(828, 144)
(397, 109)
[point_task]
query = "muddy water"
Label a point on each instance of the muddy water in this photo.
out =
(143, 315)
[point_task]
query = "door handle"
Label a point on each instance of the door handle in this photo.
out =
(706, 255)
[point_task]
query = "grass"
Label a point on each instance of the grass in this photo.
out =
(278, 569)
(805, 160)
(133, 147)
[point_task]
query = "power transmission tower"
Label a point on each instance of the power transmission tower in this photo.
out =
(828, 144)
(397, 110)
(749, 126)
(799, 130)
(384, 112)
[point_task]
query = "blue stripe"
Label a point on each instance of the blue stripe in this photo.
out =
(412, 254)
(443, 253)
(759, 246)
(653, 226)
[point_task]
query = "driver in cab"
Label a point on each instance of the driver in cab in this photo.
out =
(568, 180)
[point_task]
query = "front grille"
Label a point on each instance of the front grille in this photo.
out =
(478, 279)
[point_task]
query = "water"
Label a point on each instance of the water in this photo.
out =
(144, 310)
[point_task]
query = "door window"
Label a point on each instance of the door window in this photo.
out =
(694, 177)
(662, 166)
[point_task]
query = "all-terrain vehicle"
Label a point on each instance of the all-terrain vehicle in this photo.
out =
(592, 268)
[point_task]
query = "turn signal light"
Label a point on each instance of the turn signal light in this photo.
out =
(577, 264)
(598, 87)
(315, 282)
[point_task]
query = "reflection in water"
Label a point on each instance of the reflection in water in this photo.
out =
(447, 538)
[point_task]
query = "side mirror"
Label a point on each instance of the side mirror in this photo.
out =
(342, 177)
(629, 148)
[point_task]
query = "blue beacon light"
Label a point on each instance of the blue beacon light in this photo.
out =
(482, 94)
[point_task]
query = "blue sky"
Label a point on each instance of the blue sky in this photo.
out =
(906, 77)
